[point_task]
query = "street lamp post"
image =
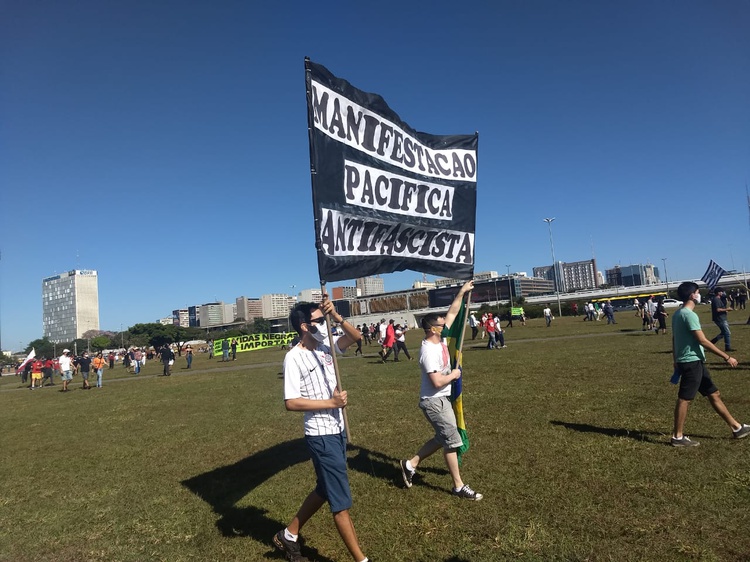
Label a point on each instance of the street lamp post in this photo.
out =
(510, 288)
(666, 277)
(554, 269)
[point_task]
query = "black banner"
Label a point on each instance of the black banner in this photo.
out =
(385, 197)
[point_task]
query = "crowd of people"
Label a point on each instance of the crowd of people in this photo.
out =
(41, 371)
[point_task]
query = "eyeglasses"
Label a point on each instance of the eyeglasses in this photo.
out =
(319, 320)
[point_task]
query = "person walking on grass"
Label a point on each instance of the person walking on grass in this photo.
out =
(99, 363)
(400, 343)
(547, 315)
(37, 366)
(388, 342)
(66, 369)
(310, 387)
(688, 344)
(435, 391)
(661, 317)
(83, 367)
(719, 311)
(167, 359)
(491, 327)
(224, 350)
(49, 365)
(474, 325)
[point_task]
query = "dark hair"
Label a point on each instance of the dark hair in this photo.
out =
(685, 290)
(430, 320)
(301, 314)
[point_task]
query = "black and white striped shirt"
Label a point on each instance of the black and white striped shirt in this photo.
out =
(310, 374)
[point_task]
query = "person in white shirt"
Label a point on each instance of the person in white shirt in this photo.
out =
(547, 315)
(310, 386)
(400, 345)
(66, 368)
(435, 403)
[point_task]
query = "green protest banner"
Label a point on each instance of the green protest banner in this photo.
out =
(252, 342)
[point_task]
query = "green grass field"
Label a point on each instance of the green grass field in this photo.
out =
(569, 430)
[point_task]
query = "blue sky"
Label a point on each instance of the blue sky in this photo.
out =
(164, 143)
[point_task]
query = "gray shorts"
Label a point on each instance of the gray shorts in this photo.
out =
(67, 375)
(85, 375)
(439, 412)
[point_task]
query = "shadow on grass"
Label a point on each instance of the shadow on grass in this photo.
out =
(647, 436)
(387, 468)
(223, 487)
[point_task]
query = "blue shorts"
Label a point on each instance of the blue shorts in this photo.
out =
(67, 375)
(329, 459)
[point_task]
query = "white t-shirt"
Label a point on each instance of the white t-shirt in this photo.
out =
(383, 327)
(547, 312)
(66, 363)
(432, 358)
(310, 374)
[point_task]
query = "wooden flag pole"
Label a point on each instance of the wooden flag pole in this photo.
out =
(463, 328)
(336, 366)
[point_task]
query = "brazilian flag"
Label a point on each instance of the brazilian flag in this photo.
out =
(454, 336)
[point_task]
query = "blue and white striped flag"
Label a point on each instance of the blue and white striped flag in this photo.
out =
(712, 275)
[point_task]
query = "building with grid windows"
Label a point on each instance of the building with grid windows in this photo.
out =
(570, 276)
(70, 305)
(370, 285)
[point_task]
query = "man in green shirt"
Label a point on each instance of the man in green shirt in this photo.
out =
(688, 343)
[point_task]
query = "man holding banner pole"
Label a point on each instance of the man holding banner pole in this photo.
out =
(310, 386)
(435, 393)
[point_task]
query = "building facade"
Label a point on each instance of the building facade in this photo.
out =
(211, 314)
(276, 305)
(570, 276)
(70, 305)
(344, 293)
(633, 275)
(248, 309)
(310, 295)
(181, 318)
(370, 286)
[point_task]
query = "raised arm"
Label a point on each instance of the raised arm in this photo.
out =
(456, 304)
(351, 334)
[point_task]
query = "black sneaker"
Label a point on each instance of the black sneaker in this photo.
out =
(291, 549)
(468, 494)
(683, 441)
(742, 432)
(406, 474)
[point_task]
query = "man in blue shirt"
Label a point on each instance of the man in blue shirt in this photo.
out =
(688, 343)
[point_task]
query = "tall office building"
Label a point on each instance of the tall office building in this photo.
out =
(216, 314)
(570, 276)
(370, 286)
(181, 318)
(248, 309)
(633, 275)
(310, 295)
(276, 305)
(70, 305)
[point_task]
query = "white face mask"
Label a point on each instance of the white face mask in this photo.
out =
(697, 298)
(321, 335)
